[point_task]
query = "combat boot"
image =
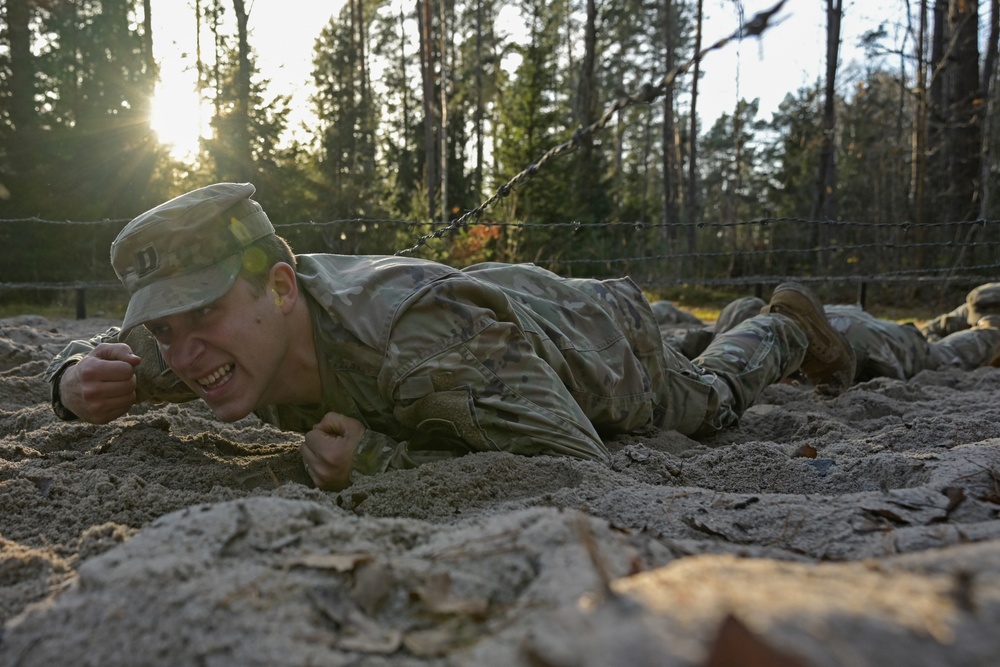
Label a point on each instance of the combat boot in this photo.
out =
(829, 362)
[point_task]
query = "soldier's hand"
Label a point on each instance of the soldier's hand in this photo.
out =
(328, 450)
(101, 386)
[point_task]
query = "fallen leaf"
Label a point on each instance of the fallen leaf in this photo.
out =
(736, 646)
(805, 452)
(436, 597)
(338, 562)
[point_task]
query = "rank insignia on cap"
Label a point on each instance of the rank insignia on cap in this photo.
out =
(146, 260)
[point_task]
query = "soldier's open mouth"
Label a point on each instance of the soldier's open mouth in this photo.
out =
(218, 378)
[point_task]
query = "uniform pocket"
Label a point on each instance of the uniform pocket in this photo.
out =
(444, 417)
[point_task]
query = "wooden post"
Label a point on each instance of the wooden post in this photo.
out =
(81, 303)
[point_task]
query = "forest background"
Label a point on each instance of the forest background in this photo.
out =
(881, 174)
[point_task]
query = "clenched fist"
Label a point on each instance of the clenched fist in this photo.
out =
(101, 386)
(328, 450)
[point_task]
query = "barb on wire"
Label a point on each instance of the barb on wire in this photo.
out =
(648, 93)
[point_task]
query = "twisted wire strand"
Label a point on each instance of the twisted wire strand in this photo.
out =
(647, 93)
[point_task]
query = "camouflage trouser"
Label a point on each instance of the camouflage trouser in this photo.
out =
(980, 302)
(734, 369)
(900, 351)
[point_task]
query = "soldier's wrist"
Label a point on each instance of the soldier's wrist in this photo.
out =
(58, 407)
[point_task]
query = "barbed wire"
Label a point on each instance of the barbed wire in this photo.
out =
(647, 94)
(43, 221)
(856, 258)
(771, 252)
(898, 277)
(906, 225)
(73, 285)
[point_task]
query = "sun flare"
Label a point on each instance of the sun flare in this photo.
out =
(178, 119)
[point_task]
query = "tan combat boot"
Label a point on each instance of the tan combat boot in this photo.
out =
(829, 362)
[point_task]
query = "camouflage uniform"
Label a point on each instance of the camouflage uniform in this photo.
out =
(980, 302)
(887, 349)
(439, 362)
(901, 351)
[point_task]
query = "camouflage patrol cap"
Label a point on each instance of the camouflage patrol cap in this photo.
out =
(982, 301)
(187, 252)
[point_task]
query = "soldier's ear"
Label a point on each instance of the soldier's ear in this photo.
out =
(282, 286)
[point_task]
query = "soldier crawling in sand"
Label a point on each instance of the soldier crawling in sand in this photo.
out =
(882, 348)
(389, 362)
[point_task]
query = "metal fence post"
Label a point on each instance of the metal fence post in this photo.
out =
(81, 303)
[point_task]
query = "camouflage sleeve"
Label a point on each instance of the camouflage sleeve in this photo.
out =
(483, 388)
(377, 453)
(949, 323)
(68, 356)
(77, 350)
(477, 384)
(155, 383)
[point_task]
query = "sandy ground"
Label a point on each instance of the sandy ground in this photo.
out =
(860, 530)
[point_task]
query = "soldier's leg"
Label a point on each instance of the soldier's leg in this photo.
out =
(967, 350)
(736, 311)
(883, 348)
(710, 393)
(737, 365)
(758, 352)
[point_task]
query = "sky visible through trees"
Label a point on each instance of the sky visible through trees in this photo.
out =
(410, 114)
(790, 56)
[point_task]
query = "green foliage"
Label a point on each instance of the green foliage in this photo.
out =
(790, 159)
(346, 109)
(90, 132)
(75, 142)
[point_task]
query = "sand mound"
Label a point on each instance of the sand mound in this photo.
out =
(857, 530)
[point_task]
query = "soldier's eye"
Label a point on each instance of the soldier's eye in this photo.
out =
(157, 330)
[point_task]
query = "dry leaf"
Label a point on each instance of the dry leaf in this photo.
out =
(442, 638)
(805, 452)
(437, 598)
(737, 646)
(338, 562)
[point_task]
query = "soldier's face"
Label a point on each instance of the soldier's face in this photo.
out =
(229, 352)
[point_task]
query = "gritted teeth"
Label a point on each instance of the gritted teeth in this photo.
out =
(216, 376)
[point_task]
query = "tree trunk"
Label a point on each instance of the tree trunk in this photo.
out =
(424, 17)
(670, 189)
(479, 114)
(825, 207)
(22, 98)
(362, 37)
(989, 109)
(693, 201)
(935, 171)
(443, 129)
(147, 39)
(586, 179)
(918, 158)
(405, 134)
(241, 142)
(964, 127)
